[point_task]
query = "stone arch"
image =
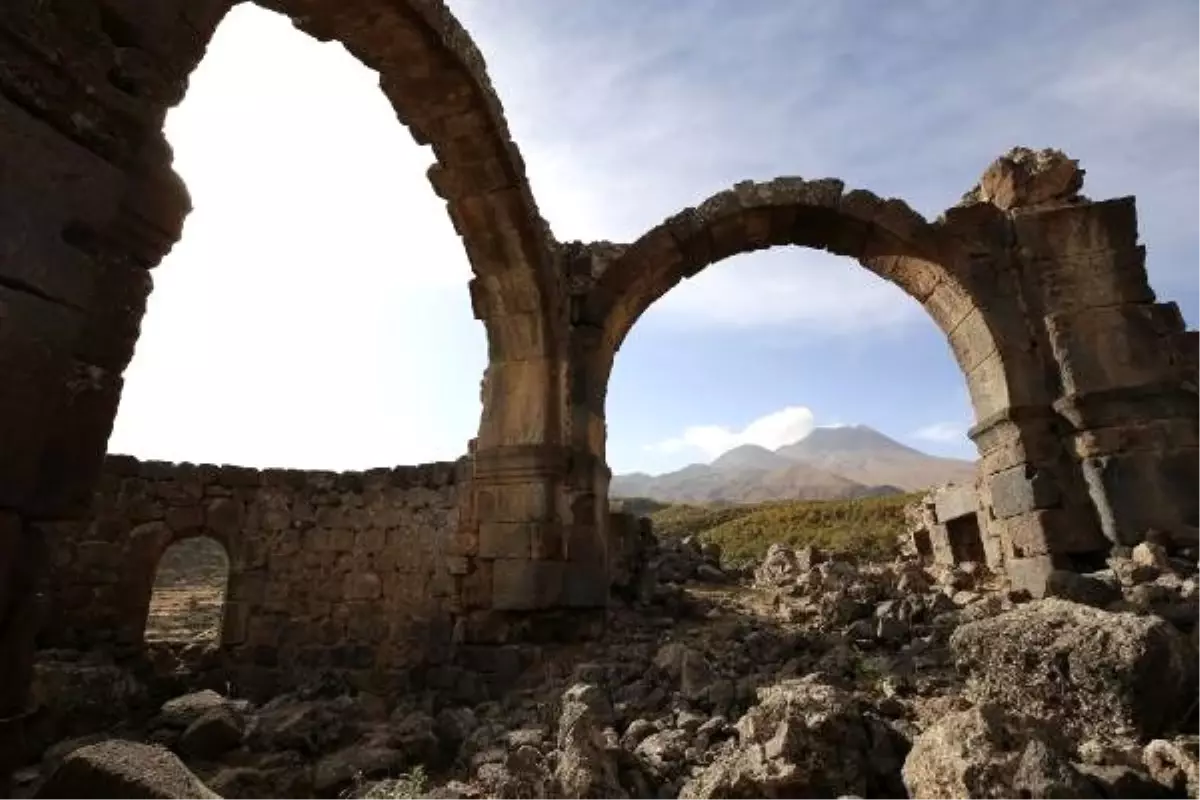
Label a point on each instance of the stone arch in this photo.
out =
(884, 235)
(91, 146)
(146, 546)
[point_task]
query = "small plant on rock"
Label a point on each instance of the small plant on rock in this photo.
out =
(411, 784)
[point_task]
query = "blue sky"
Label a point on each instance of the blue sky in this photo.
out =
(315, 313)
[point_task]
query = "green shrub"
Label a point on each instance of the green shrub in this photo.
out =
(865, 529)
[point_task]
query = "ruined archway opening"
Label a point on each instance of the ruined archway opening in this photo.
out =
(187, 604)
(302, 319)
(809, 402)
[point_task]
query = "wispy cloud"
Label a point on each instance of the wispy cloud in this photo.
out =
(942, 432)
(770, 431)
(658, 106)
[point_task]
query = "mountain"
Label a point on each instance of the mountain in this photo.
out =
(750, 456)
(829, 464)
(865, 455)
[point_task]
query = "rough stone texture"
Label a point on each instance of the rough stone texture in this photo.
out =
(1024, 178)
(326, 570)
(1080, 381)
(117, 768)
(803, 739)
(1087, 670)
(984, 752)
(944, 528)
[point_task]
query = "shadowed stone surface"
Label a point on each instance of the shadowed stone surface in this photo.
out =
(1080, 380)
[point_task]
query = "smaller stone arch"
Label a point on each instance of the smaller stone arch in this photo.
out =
(884, 235)
(189, 591)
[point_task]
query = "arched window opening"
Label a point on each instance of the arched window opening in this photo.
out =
(188, 601)
(786, 395)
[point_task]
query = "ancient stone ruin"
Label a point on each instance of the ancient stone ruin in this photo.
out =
(1084, 385)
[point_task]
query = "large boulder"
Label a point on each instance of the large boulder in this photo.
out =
(804, 739)
(182, 711)
(1092, 672)
(118, 768)
(983, 752)
(218, 730)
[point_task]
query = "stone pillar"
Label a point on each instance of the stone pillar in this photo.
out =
(538, 544)
(1036, 518)
(1127, 409)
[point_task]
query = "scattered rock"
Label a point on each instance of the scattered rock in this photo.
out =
(122, 769)
(1087, 670)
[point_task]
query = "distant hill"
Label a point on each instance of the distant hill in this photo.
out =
(829, 464)
(865, 455)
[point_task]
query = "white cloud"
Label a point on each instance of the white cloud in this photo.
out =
(942, 432)
(814, 291)
(771, 431)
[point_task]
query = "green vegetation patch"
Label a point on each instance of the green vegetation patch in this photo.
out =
(865, 529)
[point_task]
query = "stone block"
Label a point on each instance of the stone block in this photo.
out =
(585, 585)
(1071, 231)
(51, 184)
(516, 502)
(1050, 532)
(1135, 491)
(951, 502)
(1022, 489)
(972, 341)
(988, 387)
(948, 305)
(35, 339)
(1031, 574)
(525, 585)
(1091, 280)
(585, 543)
(506, 539)
(1111, 347)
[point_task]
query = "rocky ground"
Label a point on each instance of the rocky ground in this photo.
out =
(811, 677)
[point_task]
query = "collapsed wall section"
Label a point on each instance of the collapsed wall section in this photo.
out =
(326, 570)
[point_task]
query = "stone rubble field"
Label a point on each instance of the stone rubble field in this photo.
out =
(809, 677)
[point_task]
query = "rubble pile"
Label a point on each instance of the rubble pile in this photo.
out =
(813, 676)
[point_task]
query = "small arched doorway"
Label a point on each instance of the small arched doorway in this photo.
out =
(187, 603)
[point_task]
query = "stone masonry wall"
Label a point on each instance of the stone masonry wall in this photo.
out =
(327, 570)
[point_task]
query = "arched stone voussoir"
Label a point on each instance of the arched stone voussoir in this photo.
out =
(886, 235)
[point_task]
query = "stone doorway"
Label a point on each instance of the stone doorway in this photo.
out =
(190, 590)
(966, 539)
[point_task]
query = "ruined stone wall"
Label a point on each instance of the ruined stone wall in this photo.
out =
(327, 570)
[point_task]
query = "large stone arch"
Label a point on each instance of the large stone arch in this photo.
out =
(89, 203)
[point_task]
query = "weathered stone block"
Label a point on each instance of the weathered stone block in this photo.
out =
(1022, 489)
(1072, 230)
(1050, 531)
(972, 341)
(585, 585)
(1136, 491)
(524, 584)
(1032, 573)
(951, 502)
(50, 184)
(1116, 346)
(506, 539)
(516, 502)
